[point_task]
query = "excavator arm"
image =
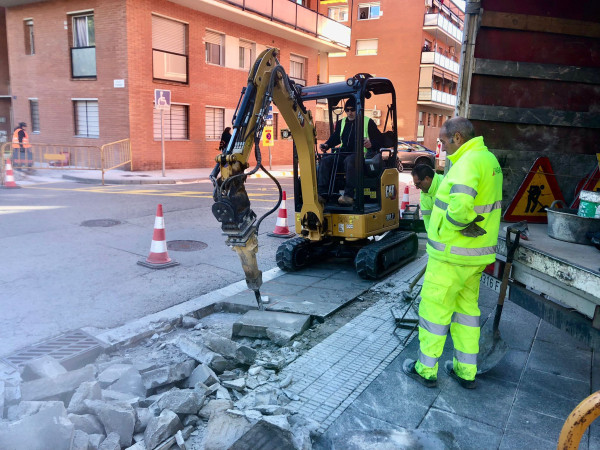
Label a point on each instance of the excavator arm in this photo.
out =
(267, 82)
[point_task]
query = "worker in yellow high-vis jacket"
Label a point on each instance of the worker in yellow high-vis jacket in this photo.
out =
(461, 240)
(428, 182)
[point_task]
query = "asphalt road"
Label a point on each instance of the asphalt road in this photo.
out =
(58, 275)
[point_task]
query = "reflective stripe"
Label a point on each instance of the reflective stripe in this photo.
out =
(434, 328)
(455, 222)
(464, 319)
(481, 251)
(441, 204)
(426, 212)
(482, 209)
(465, 358)
(463, 189)
(428, 361)
(437, 245)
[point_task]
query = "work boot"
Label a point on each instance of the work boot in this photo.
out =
(344, 200)
(408, 367)
(466, 384)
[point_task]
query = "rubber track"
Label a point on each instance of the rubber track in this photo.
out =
(368, 259)
(286, 253)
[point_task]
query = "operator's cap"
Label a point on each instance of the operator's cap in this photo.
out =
(351, 102)
(22, 124)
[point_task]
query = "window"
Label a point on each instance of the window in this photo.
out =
(175, 123)
(169, 50)
(86, 118)
(29, 41)
(336, 54)
(83, 50)
(35, 115)
(366, 47)
(336, 78)
(339, 13)
(215, 48)
(246, 54)
(215, 123)
(297, 69)
(368, 11)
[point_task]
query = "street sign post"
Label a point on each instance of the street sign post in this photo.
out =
(162, 101)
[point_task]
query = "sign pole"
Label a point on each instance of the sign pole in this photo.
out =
(162, 101)
(162, 139)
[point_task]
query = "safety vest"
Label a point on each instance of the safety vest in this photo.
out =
(427, 198)
(15, 141)
(365, 130)
(472, 187)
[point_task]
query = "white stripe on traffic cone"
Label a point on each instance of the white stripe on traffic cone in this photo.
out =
(158, 257)
(9, 182)
(281, 227)
(405, 201)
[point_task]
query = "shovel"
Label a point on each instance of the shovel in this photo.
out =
(492, 347)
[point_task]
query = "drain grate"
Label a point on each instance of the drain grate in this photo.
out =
(186, 246)
(100, 223)
(72, 350)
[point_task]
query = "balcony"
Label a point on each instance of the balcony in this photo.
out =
(429, 95)
(282, 18)
(438, 21)
(83, 62)
(440, 60)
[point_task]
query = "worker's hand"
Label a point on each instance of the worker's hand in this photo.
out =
(474, 230)
(324, 147)
(367, 143)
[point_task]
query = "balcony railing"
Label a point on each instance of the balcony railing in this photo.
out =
(83, 62)
(440, 60)
(433, 95)
(437, 20)
(298, 17)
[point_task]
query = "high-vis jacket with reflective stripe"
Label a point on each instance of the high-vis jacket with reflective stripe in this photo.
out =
(365, 130)
(427, 198)
(472, 187)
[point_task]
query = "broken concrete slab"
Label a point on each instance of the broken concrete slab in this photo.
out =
(112, 373)
(168, 374)
(115, 417)
(43, 367)
(29, 408)
(266, 431)
(280, 336)
(202, 354)
(49, 428)
(81, 441)
(161, 428)
(95, 440)
(111, 442)
(219, 344)
(254, 324)
(214, 407)
(224, 429)
(181, 401)
(142, 417)
(50, 387)
(1, 399)
(130, 382)
(202, 374)
(237, 385)
(87, 423)
(89, 390)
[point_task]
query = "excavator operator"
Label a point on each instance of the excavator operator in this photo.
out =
(345, 134)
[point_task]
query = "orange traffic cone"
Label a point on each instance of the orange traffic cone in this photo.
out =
(405, 201)
(281, 227)
(158, 258)
(9, 182)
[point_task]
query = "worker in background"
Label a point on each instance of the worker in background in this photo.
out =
(461, 241)
(428, 181)
(20, 143)
(345, 134)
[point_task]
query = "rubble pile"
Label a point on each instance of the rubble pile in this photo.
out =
(187, 389)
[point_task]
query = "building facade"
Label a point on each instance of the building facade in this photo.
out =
(416, 45)
(84, 72)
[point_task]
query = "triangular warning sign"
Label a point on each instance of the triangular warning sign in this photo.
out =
(536, 193)
(589, 183)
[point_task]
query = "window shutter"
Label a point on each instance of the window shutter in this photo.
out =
(366, 47)
(175, 123)
(214, 38)
(168, 35)
(246, 44)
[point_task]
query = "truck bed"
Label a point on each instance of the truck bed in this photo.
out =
(565, 272)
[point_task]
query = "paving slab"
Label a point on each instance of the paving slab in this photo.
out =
(563, 360)
(255, 323)
(535, 424)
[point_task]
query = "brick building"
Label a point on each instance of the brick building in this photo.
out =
(415, 44)
(83, 72)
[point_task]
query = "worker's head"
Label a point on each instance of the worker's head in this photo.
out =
(423, 177)
(22, 124)
(350, 108)
(454, 133)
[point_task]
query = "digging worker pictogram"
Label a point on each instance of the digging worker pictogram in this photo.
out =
(461, 240)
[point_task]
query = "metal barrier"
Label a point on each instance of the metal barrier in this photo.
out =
(64, 157)
(578, 421)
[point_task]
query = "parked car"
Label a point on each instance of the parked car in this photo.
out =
(411, 153)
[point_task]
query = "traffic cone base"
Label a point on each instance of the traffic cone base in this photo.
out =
(9, 182)
(158, 257)
(281, 227)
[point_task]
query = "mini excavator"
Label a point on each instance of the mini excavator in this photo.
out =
(369, 230)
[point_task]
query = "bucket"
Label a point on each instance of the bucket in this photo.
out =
(565, 224)
(589, 204)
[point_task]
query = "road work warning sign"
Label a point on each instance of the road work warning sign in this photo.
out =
(267, 136)
(536, 193)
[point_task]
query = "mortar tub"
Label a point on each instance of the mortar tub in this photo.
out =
(565, 225)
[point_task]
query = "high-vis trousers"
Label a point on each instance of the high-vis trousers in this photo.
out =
(449, 303)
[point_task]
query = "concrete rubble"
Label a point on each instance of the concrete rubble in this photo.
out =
(190, 388)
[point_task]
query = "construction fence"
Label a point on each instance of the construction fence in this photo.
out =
(63, 157)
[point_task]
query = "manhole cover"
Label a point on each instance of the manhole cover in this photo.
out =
(186, 246)
(100, 223)
(72, 350)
